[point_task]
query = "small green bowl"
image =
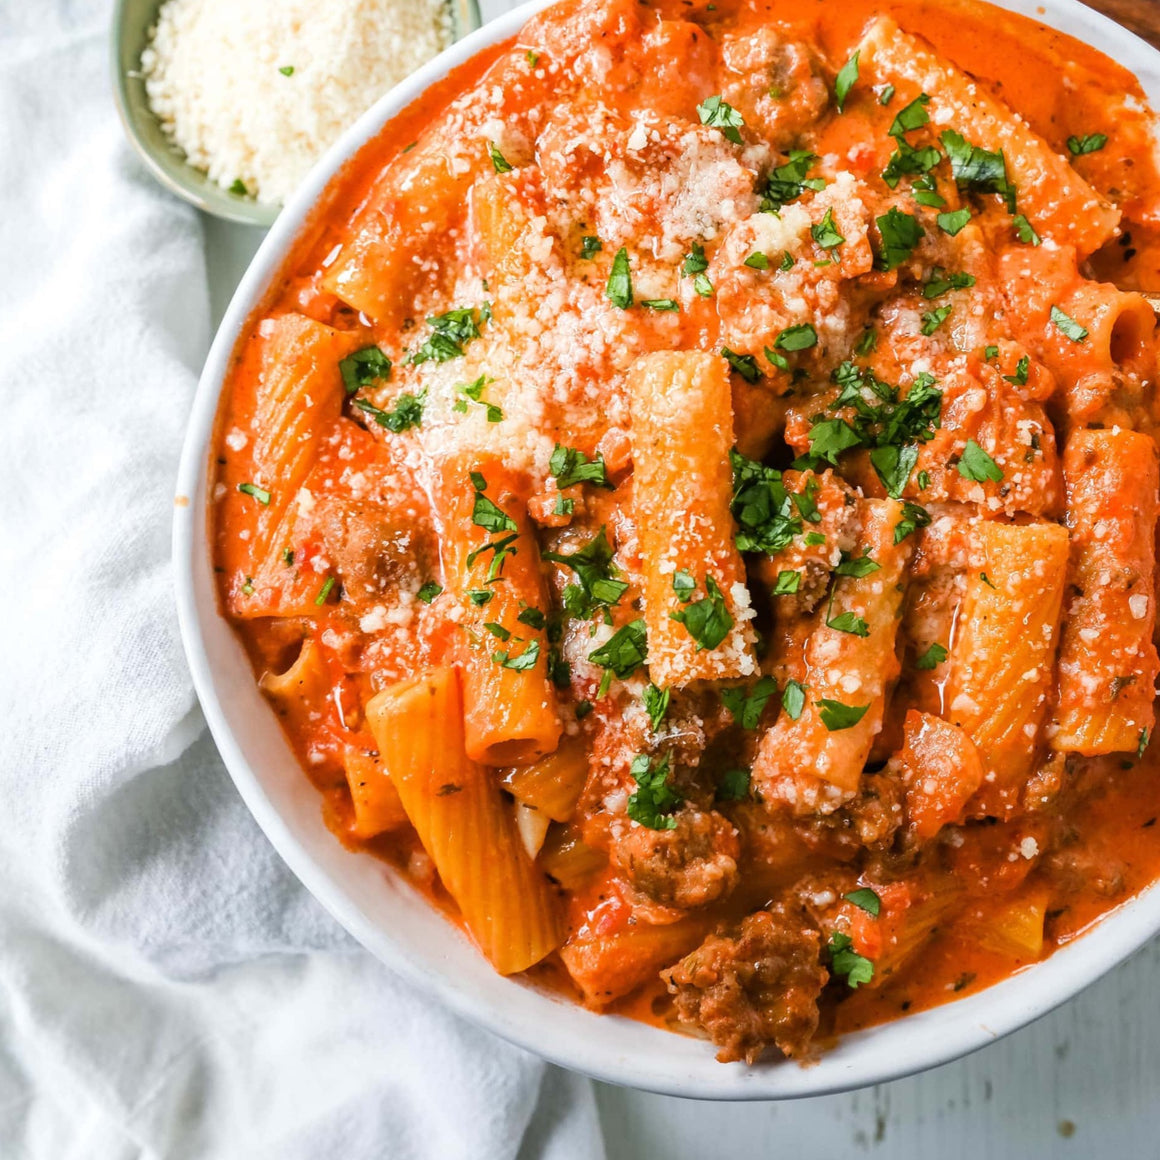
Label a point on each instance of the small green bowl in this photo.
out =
(132, 21)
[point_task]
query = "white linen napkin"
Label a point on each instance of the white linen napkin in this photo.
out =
(167, 989)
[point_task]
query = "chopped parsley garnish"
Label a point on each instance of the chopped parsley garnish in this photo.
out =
(501, 163)
(656, 704)
(325, 591)
(924, 190)
(857, 567)
(450, 333)
(744, 364)
(1068, 325)
(747, 705)
(825, 233)
(913, 518)
(663, 304)
(787, 583)
(793, 700)
(787, 182)
(1022, 371)
(406, 413)
(239, 187)
(486, 514)
(703, 286)
(288, 557)
(708, 620)
(806, 505)
(559, 670)
(474, 392)
(867, 343)
(901, 233)
(497, 630)
(978, 169)
(590, 246)
(757, 261)
(655, 800)
(836, 716)
(891, 428)
(953, 223)
(598, 587)
(849, 622)
(430, 590)
(520, 664)
(684, 585)
(1026, 231)
(886, 96)
(894, 466)
(914, 116)
(845, 81)
(734, 785)
(931, 659)
(830, 437)
(1092, 143)
(625, 651)
(865, 899)
(258, 493)
(583, 708)
(570, 467)
(906, 161)
(990, 353)
(933, 319)
(762, 506)
(695, 261)
(987, 580)
(942, 283)
(1142, 744)
(719, 114)
(797, 338)
(619, 288)
(533, 58)
(975, 464)
(565, 506)
(846, 962)
(364, 368)
(287, 70)
(533, 618)
(480, 596)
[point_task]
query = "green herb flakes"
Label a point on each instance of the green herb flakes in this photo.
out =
(653, 803)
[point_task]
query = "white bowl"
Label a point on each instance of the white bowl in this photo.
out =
(394, 921)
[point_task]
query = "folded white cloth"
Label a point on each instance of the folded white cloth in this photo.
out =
(167, 989)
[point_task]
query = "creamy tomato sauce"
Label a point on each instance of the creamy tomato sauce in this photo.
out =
(758, 443)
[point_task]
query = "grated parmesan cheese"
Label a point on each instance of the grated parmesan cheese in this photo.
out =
(254, 91)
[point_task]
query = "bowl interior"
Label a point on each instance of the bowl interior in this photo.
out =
(394, 921)
(132, 21)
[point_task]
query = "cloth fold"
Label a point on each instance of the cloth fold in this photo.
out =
(167, 989)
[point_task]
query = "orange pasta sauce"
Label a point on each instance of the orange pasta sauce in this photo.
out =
(326, 506)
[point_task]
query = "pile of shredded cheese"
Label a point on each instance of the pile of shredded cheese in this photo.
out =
(253, 91)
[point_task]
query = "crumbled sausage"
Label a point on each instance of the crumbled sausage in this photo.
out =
(869, 821)
(755, 987)
(686, 867)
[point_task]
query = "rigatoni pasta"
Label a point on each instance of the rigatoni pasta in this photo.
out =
(696, 603)
(464, 823)
(691, 503)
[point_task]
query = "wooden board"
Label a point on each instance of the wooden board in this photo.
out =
(1141, 16)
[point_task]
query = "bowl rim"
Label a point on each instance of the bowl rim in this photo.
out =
(171, 168)
(605, 1047)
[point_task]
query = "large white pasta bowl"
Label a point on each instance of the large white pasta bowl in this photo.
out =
(393, 921)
